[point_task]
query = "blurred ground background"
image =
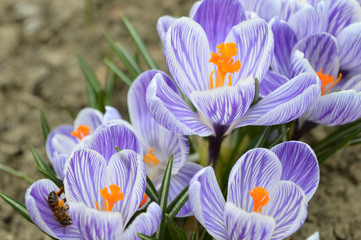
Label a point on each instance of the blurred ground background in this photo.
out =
(39, 41)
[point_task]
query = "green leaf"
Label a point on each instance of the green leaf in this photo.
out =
(356, 140)
(151, 191)
(194, 235)
(16, 173)
(18, 206)
(174, 231)
(163, 196)
(138, 41)
(120, 74)
(174, 207)
(89, 74)
(280, 137)
(44, 125)
(145, 237)
(44, 168)
(263, 137)
(92, 97)
(129, 62)
(109, 89)
(70, 112)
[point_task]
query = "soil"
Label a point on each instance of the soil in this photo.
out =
(39, 41)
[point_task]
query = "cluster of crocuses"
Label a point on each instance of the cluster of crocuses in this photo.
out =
(237, 63)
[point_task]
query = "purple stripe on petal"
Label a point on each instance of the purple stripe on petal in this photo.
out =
(187, 53)
(265, 9)
(299, 64)
(126, 169)
(256, 168)
(58, 162)
(208, 203)
(85, 176)
(94, 224)
(170, 110)
(254, 40)
(36, 201)
(349, 41)
(288, 206)
(336, 108)
(288, 8)
(271, 82)
(286, 103)
(62, 130)
(194, 8)
(217, 18)
(89, 117)
(321, 51)
(224, 105)
(299, 165)
(163, 25)
(285, 39)
(247, 226)
(146, 223)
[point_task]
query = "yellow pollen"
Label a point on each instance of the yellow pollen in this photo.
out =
(81, 131)
(225, 63)
(109, 199)
(150, 158)
(260, 198)
(327, 80)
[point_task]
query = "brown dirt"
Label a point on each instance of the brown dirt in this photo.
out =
(39, 41)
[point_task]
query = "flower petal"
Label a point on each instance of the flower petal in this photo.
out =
(315, 236)
(170, 110)
(146, 223)
(194, 8)
(288, 206)
(94, 224)
(341, 14)
(258, 167)
(353, 83)
(187, 53)
(299, 165)
(265, 9)
(321, 51)
(62, 130)
(285, 104)
(113, 134)
(85, 177)
(285, 39)
(299, 64)
(111, 113)
(247, 226)
(349, 41)
(336, 108)
(254, 40)
(271, 82)
(36, 201)
(89, 117)
(224, 105)
(126, 169)
(288, 8)
(58, 163)
(208, 203)
(163, 25)
(217, 18)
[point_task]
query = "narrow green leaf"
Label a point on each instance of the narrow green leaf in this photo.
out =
(91, 94)
(118, 72)
(145, 237)
(44, 125)
(89, 74)
(174, 231)
(44, 168)
(194, 235)
(129, 62)
(280, 138)
(138, 41)
(16, 173)
(356, 140)
(109, 88)
(163, 196)
(151, 191)
(263, 137)
(18, 206)
(174, 207)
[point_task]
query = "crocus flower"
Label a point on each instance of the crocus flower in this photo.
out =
(61, 141)
(221, 84)
(268, 191)
(103, 190)
(159, 143)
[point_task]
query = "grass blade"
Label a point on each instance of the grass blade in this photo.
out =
(194, 235)
(263, 137)
(151, 191)
(145, 237)
(18, 206)
(44, 125)
(163, 196)
(89, 74)
(16, 173)
(138, 41)
(109, 89)
(120, 74)
(174, 207)
(280, 138)
(174, 231)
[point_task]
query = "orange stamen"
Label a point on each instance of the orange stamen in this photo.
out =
(260, 198)
(327, 81)
(81, 131)
(225, 63)
(145, 198)
(150, 158)
(109, 199)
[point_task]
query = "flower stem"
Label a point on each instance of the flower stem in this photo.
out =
(214, 147)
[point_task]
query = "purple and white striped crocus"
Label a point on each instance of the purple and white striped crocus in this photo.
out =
(159, 143)
(221, 84)
(61, 141)
(103, 190)
(268, 193)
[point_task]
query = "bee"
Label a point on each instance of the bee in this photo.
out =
(59, 208)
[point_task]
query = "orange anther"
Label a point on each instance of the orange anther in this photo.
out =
(145, 198)
(109, 199)
(260, 198)
(150, 159)
(81, 131)
(327, 81)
